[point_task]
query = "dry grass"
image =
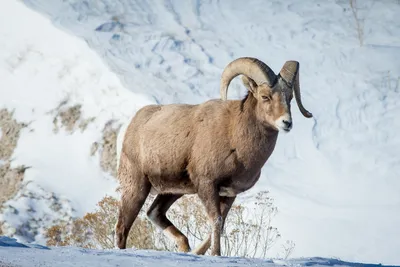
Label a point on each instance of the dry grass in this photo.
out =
(10, 129)
(248, 232)
(84, 123)
(96, 230)
(68, 118)
(360, 11)
(108, 160)
(108, 147)
(10, 178)
(10, 181)
(358, 20)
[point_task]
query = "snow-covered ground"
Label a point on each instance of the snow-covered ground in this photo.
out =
(334, 178)
(34, 255)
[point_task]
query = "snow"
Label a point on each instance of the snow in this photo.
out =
(33, 255)
(39, 70)
(334, 178)
(34, 207)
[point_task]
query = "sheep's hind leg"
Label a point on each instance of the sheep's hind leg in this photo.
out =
(156, 214)
(225, 205)
(135, 189)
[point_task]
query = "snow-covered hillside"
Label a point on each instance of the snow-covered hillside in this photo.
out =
(334, 178)
(33, 255)
(66, 96)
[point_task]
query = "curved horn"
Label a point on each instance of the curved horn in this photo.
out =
(290, 74)
(251, 67)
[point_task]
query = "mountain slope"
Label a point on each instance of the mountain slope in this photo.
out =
(67, 98)
(334, 176)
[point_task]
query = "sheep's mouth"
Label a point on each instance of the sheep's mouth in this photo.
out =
(282, 128)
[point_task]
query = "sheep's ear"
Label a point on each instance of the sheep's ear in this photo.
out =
(250, 84)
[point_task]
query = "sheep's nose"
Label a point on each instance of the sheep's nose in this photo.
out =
(288, 124)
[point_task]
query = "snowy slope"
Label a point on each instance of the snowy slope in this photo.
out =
(42, 67)
(30, 255)
(334, 177)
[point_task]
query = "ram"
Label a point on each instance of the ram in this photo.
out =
(215, 149)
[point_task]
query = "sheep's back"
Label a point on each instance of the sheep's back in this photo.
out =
(164, 140)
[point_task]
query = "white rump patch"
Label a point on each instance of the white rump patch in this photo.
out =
(120, 139)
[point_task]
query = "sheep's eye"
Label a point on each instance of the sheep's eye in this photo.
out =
(265, 97)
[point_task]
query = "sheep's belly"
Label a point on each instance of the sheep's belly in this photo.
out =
(230, 191)
(238, 185)
(171, 186)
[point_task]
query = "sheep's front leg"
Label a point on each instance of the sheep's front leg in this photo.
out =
(209, 196)
(225, 205)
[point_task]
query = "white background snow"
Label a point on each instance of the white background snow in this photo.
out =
(334, 178)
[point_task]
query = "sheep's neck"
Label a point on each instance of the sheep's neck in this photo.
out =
(252, 139)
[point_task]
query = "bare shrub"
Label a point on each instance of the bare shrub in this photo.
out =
(189, 216)
(248, 231)
(288, 248)
(96, 230)
(56, 235)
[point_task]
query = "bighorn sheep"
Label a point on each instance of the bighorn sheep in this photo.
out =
(215, 149)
